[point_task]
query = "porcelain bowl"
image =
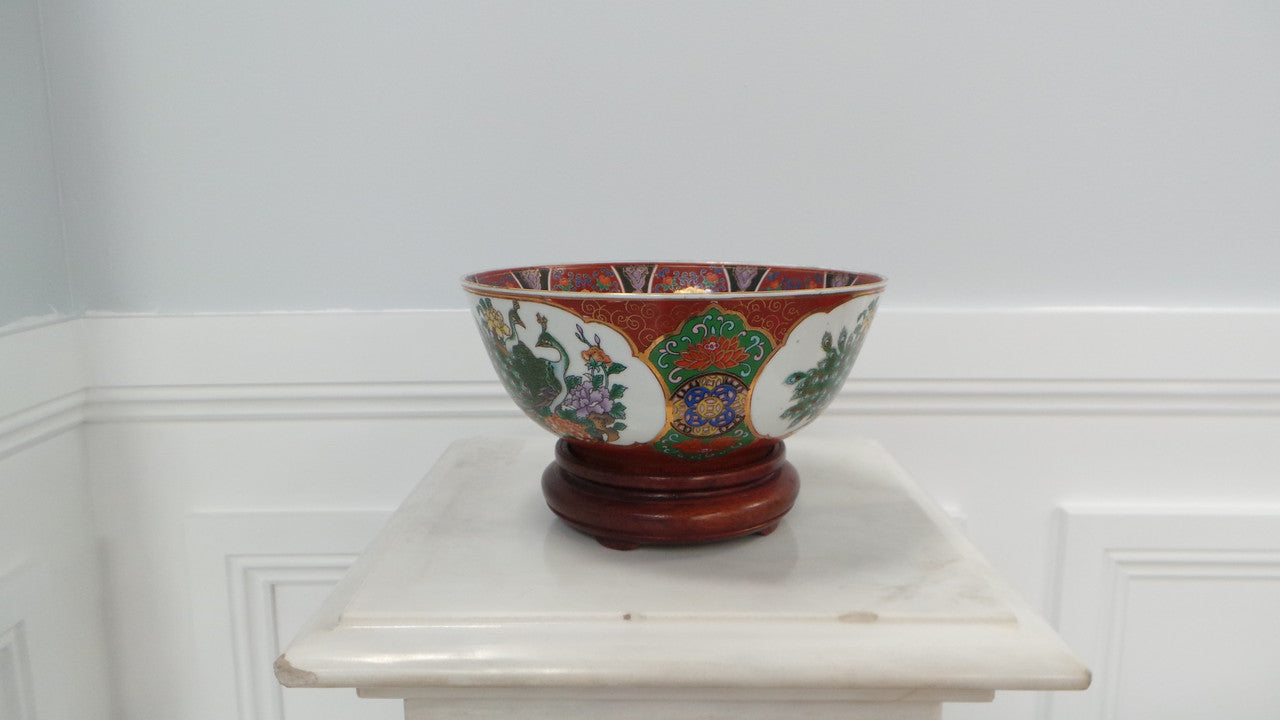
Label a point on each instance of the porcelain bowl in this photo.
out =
(673, 363)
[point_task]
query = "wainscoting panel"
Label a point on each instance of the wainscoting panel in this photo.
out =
(52, 633)
(219, 472)
(256, 578)
(1174, 608)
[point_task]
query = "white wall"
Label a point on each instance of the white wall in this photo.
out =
(208, 477)
(34, 281)
(247, 156)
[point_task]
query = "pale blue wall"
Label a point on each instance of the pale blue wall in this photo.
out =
(33, 264)
(247, 155)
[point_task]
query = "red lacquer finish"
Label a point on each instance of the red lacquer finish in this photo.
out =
(659, 502)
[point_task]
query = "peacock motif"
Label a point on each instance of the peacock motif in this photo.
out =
(584, 406)
(530, 380)
(816, 387)
(539, 381)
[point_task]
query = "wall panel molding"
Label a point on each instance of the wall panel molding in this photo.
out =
(21, 430)
(428, 400)
(42, 383)
(1105, 553)
(238, 563)
(429, 364)
(1140, 344)
(252, 582)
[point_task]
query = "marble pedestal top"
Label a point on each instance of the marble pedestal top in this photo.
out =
(866, 593)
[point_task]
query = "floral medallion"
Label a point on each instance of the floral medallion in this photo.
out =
(708, 367)
(709, 404)
(712, 339)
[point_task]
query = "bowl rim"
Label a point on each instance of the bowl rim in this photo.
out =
(867, 282)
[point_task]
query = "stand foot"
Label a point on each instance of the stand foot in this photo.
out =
(767, 531)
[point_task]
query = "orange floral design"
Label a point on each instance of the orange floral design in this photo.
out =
(567, 428)
(722, 352)
(595, 354)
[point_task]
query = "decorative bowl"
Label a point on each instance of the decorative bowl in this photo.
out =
(672, 385)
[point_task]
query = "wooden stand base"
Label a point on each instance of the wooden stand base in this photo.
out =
(624, 502)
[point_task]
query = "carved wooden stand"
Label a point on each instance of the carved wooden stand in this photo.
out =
(625, 499)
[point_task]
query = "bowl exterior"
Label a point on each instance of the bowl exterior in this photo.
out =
(684, 377)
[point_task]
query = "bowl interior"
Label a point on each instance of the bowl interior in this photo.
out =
(668, 278)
